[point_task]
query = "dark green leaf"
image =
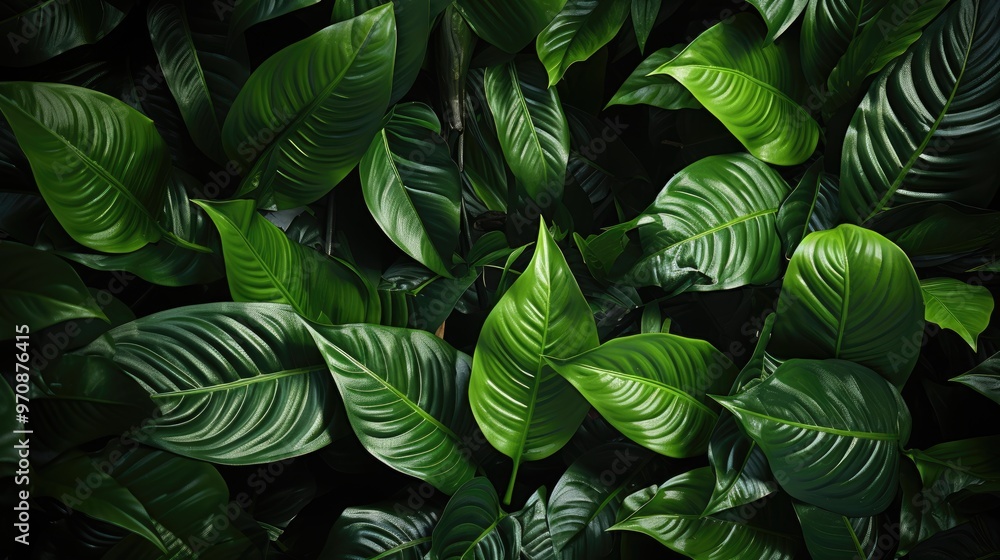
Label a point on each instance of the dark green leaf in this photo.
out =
(577, 32)
(955, 305)
(509, 24)
(658, 90)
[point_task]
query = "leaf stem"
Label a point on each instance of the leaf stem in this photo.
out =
(510, 485)
(174, 239)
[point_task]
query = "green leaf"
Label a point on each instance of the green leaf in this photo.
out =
(404, 395)
(753, 87)
(526, 410)
(827, 28)
(473, 526)
(893, 29)
(381, 531)
(712, 227)
(933, 233)
(578, 31)
(413, 188)
(531, 126)
(413, 29)
(779, 15)
(851, 294)
(919, 133)
(247, 13)
(671, 514)
(203, 72)
(831, 431)
(659, 90)
(536, 540)
(509, 24)
(100, 165)
(957, 306)
(830, 536)
(262, 264)
(984, 378)
(951, 467)
(40, 290)
(812, 206)
(163, 264)
(35, 31)
(644, 14)
(233, 383)
(588, 496)
(652, 388)
(306, 115)
(107, 500)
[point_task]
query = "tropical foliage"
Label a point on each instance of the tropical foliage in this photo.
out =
(501, 279)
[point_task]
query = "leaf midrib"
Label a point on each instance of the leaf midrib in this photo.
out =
(874, 436)
(739, 73)
(653, 383)
(718, 228)
(262, 378)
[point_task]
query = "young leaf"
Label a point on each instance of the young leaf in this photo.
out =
(40, 290)
(851, 294)
(100, 165)
(577, 32)
(919, 133)
(531, 126)
(957, 306)
(712, 227)
(413, 187)
(754, 88)
(658, 90)
(404, 395)
(652, 388)
(526, 410)
(831, 431)
(779, 15)
(262, 264)
(306, 115)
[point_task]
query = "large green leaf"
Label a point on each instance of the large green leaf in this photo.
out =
(34, 31)
(754, 88)
(385, 531)
(849, 293)
(831, 431)
(955, 305)
(473, 527)
(413, 187)
(39, 290)
(525, 409)
(163, 264)
(653, 388)
(262, 264)
(577, 32)
(671, 514)
(247, 13)
(100, 165)
(984, 378)
(404, 392)
(928, 127)
(233, 383)
(953, 466)
(586, 499)
(658, 90)
(203, 72)
(712, 227)
(831, 536)
(812, 206)
(413, 29)
(306, 115)
(827, 28)
(891, 31)
(509, 24)
(531, 126)
(779, 14)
